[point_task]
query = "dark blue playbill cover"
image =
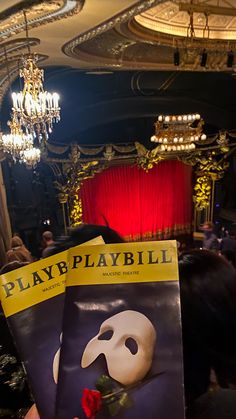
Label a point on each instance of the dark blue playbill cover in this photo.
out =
(121, 353)
(32, 298)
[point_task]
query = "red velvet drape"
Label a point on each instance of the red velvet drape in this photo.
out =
(140, 205)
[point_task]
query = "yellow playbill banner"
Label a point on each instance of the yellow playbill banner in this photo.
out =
(88, 265)
(36, 282)
(123, 263)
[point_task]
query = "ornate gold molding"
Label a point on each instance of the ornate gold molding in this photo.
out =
(38, 13)
(70, 47)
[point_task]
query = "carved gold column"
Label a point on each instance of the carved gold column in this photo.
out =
(75, 172)
(208, 171)
(63, 199)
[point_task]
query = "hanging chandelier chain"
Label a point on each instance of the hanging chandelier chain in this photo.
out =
(27, 31)
(206, 30)
(190, 28)
(8, 69)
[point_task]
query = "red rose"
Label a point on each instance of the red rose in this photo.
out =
(91, 402)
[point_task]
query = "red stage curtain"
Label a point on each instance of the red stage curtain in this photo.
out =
(140, 205)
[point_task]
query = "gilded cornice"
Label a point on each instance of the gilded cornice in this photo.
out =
(69, 47)
(38, 13)
(134, 28)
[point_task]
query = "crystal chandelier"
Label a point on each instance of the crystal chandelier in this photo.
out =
(178, 133)
(36, 109)
(30, 157)
(17, 141)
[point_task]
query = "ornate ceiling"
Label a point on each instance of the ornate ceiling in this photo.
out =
(173, 17)
(102, 35)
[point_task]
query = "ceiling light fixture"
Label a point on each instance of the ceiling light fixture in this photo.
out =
(36, 108)
(16, 142)
(178, 133)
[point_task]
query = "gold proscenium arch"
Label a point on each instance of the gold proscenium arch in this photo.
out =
(83, 162)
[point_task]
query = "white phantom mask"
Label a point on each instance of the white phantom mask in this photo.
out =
(56, 361)
(128, 346)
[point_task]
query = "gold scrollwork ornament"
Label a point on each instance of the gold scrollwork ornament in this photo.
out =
(202, 194)
(76, 213)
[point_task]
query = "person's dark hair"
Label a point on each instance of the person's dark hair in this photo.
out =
(230, 256)
(11, 266)
(231, 233)
(83, 233)
(208, 300)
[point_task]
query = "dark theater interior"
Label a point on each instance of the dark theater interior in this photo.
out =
(120, 114)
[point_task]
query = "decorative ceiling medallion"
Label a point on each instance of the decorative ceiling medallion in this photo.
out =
(172, 18)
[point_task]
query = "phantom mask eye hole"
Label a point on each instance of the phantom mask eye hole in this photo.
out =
(132, 345)
(106, 335)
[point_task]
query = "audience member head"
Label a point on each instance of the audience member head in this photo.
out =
(83, 233)
(207, 228)
(16, 242)
(208, 300)
(18, 251)
(47, 237)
